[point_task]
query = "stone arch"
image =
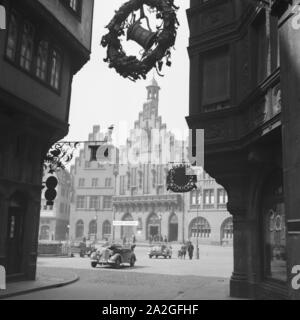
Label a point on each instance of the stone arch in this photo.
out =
(93, 228)
(153, 226)
(127, 231)
(226, 231)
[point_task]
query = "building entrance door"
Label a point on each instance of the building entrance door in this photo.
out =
(153, 231)
(14, 241)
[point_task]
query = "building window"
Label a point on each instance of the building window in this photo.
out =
(195, 197)
(107, 182)
(133, 177)
(107, 202)
(27, 45)
(94, 202)
(26, 49)
(79, 229)
(216, 78)
(160, 174)
(93, 228)
(42, 60)
(80, 202)
(81, 182)
(95, 182)
(12, 38)
(209, 197)
(222, 196)
(75, 6)
(55, 69)
(122, 185)
(200, 227)
(106, 229)
(260, 47)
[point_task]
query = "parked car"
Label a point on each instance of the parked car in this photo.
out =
(161, 250)
(114, 255)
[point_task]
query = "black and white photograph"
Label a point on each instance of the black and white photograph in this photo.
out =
(149, 154)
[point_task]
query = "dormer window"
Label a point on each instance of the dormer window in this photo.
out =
(74, 6)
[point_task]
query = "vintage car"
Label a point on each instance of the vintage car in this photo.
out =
(161, 250)
(114, 255)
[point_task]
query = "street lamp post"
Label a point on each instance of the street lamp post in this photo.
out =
(160, 235)
(198, 204)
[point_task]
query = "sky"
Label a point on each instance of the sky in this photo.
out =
(102, 97)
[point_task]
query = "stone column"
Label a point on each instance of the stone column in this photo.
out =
(239, 286)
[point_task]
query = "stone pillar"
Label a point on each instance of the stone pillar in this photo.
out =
(3, 229)
(239, 286)
(289, 32)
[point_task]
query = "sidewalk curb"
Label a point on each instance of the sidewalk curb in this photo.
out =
(41, 288)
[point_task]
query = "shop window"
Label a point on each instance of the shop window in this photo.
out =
(274, 231)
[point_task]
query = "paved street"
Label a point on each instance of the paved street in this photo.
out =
(207, 278)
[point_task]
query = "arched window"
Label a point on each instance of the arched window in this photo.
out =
(227, 229)
(45, 233)
(106, 229)
(200, 226)
(79, 229)
(93, 227)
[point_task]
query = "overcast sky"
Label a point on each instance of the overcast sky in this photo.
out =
(101, 96)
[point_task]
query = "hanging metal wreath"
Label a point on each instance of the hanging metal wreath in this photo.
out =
(178, 181)
(156, 45)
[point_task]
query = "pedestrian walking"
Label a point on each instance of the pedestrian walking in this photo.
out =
(183, 251)
(190, 250)
(133, 239)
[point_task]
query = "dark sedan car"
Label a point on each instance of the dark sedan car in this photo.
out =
(114, 255)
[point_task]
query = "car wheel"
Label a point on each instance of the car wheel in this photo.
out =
(94, 264)
(132, 262)
(118, 263)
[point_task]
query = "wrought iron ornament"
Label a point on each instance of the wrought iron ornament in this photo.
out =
(178, 181)
(164, 38)
(59, 156)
